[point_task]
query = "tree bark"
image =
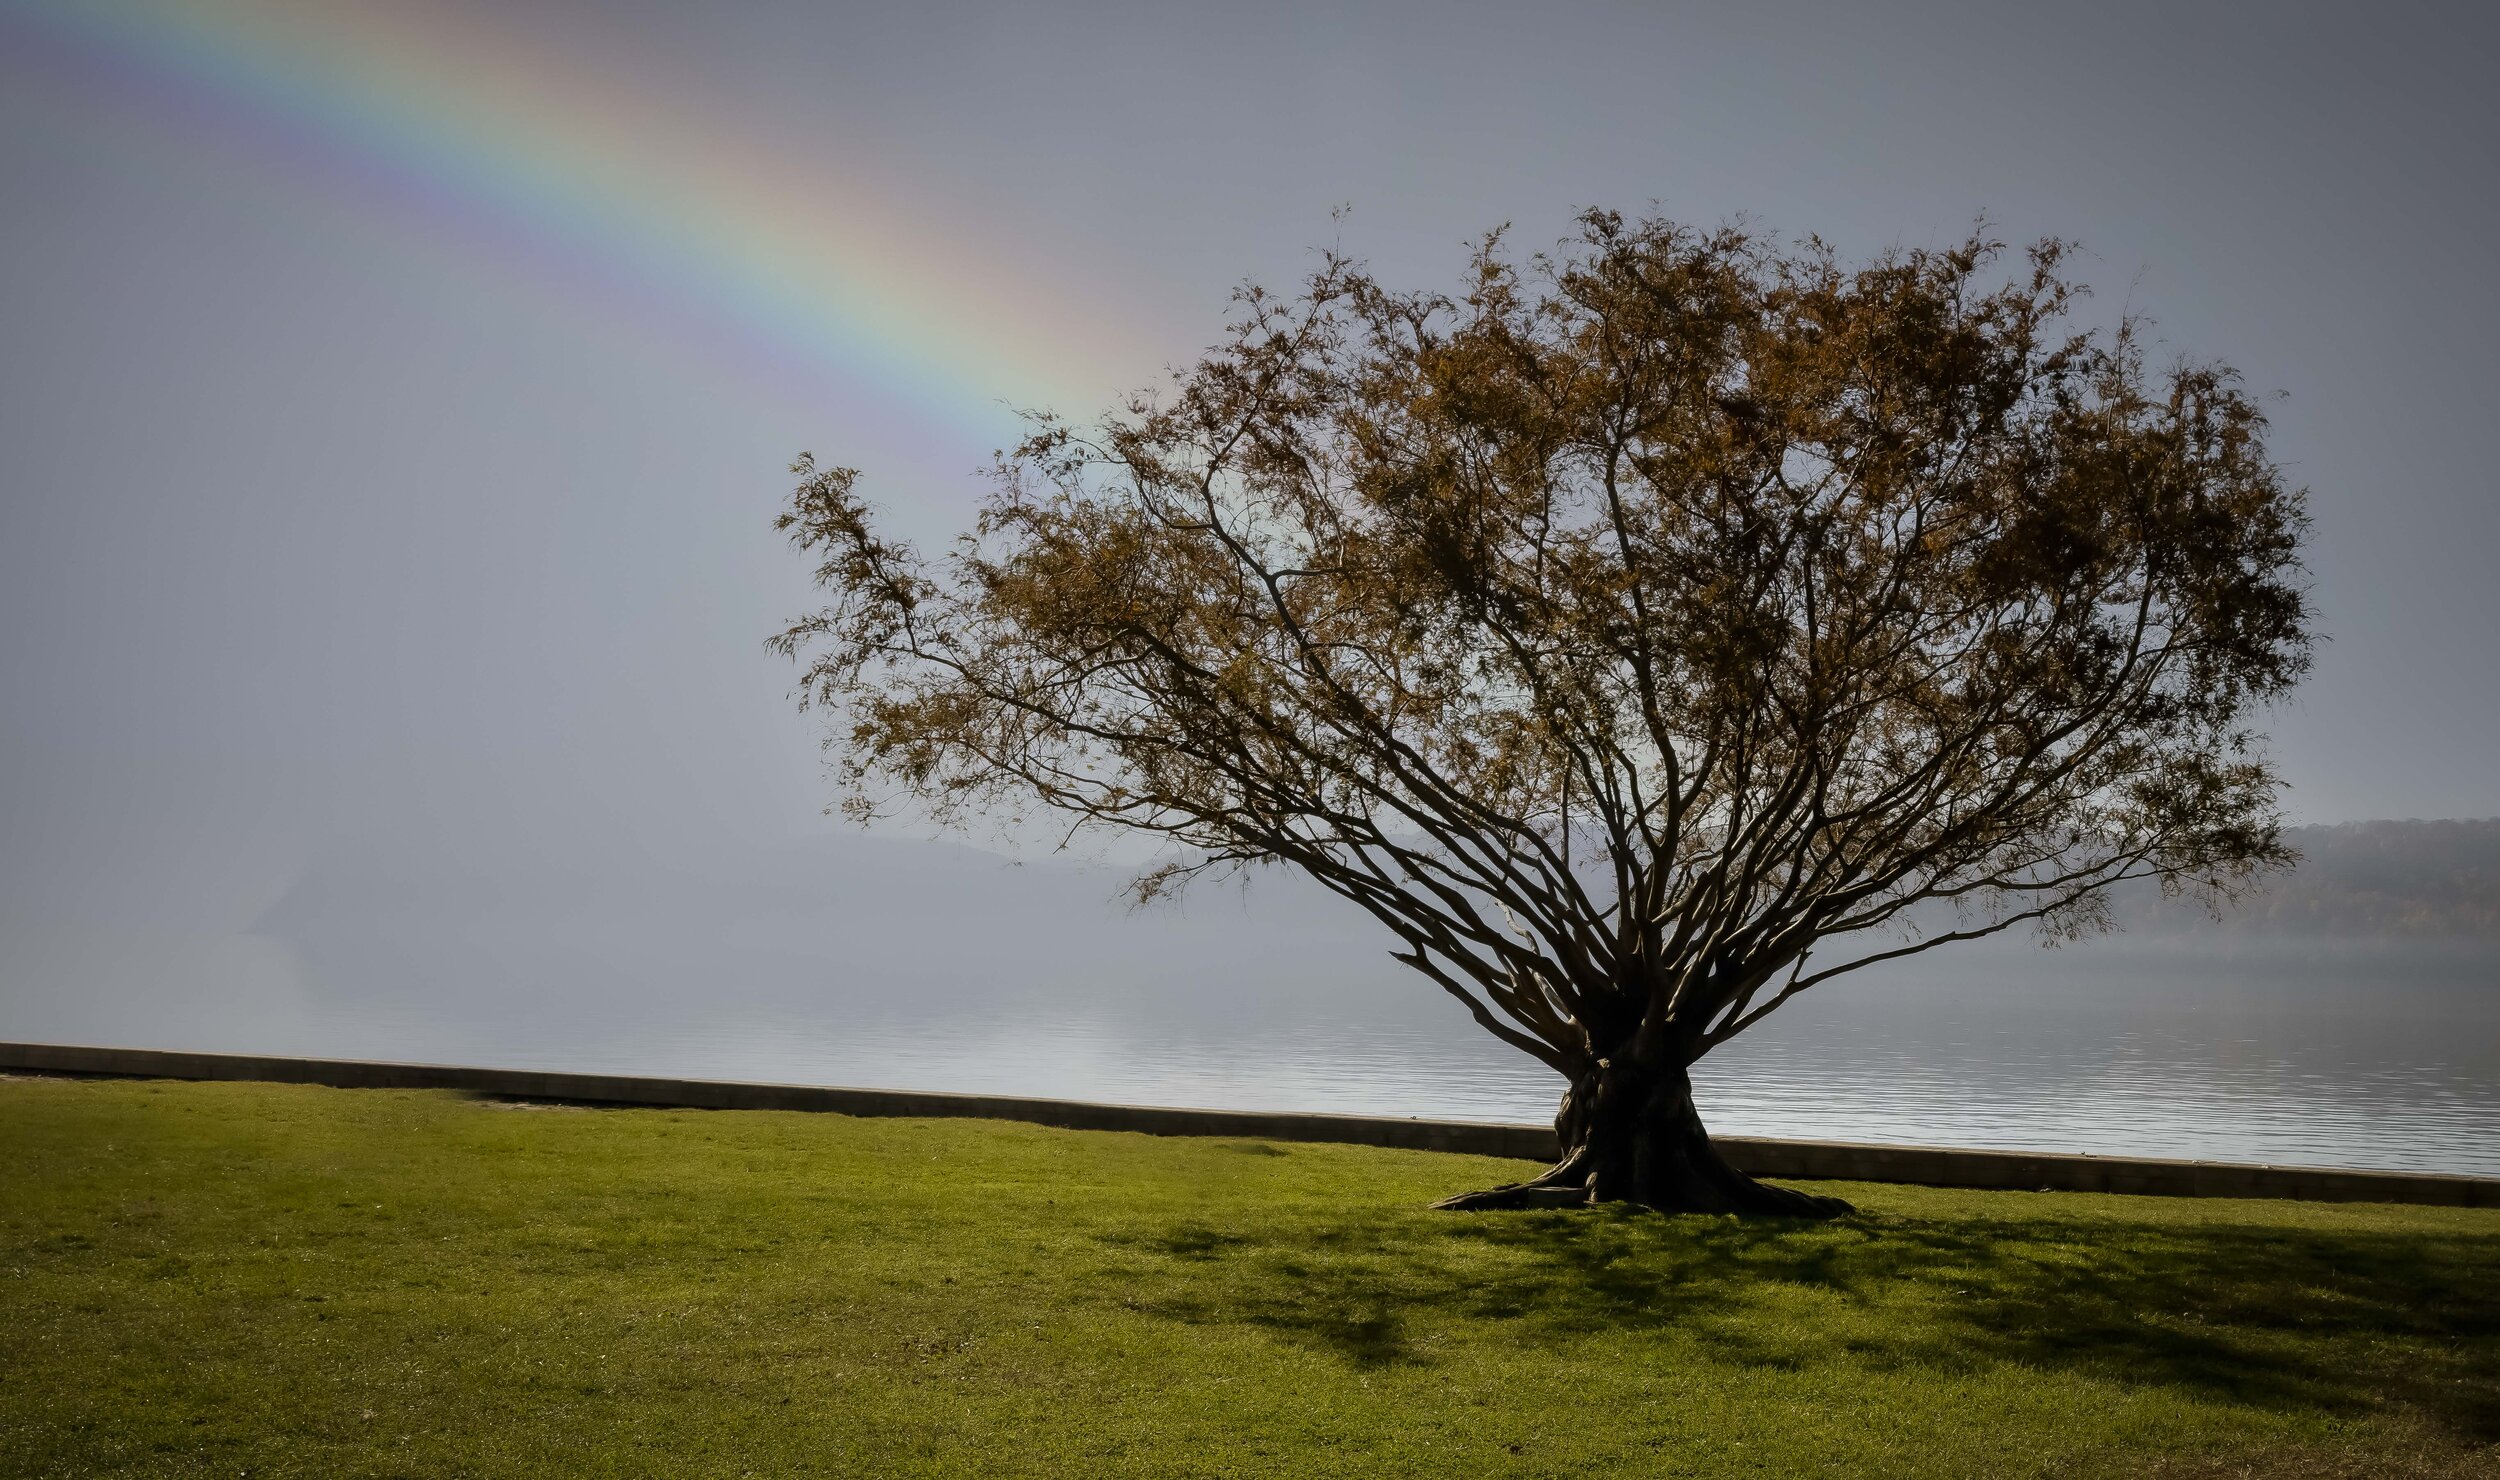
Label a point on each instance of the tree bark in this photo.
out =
(1630, 1134)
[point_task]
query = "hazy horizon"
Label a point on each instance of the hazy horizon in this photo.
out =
(394, 397)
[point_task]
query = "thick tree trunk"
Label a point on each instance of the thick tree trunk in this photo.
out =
(1630, 1134)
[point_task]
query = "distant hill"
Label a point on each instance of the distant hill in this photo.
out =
(2360, 881)
(898, 909)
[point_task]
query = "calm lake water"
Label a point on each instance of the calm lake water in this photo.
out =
(932, 969)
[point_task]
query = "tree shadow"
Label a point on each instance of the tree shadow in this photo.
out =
(2338, 1320)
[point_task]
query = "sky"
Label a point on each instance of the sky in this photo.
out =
(395, 395)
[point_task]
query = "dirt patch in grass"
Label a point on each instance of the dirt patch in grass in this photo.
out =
(2405, 1445)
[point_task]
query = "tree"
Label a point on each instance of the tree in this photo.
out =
(1645, 636)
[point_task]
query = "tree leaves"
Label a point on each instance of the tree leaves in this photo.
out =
(1622, 631)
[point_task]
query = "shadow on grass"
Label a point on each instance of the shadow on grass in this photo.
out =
(2291, 1318)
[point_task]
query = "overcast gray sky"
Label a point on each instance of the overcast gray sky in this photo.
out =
(394, 398)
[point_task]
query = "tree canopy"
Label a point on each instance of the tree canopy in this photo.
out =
(1644, 634)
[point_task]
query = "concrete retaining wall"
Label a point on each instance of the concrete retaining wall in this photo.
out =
(1803, 1160)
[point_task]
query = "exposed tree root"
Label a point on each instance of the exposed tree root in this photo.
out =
(1518, 1195)
(1736, 1193)
(1635, 1138)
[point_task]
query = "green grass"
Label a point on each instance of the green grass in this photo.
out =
(222, 1279)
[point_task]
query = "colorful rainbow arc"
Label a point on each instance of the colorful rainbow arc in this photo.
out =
(810, 261)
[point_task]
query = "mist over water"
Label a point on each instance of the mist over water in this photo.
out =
(386, 547)
(847, 959)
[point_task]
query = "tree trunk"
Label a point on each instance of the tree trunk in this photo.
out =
(1630, 1134)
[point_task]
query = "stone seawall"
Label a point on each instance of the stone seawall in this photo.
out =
(1839, 1161)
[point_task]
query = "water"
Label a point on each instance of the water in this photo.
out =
(934, 969)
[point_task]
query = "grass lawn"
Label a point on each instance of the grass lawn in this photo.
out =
(223, 1279)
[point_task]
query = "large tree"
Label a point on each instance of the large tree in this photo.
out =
(1645, 635)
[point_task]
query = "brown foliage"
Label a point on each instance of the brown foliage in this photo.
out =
(1625, 633)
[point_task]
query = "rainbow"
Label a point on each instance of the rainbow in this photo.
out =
(812, 262)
